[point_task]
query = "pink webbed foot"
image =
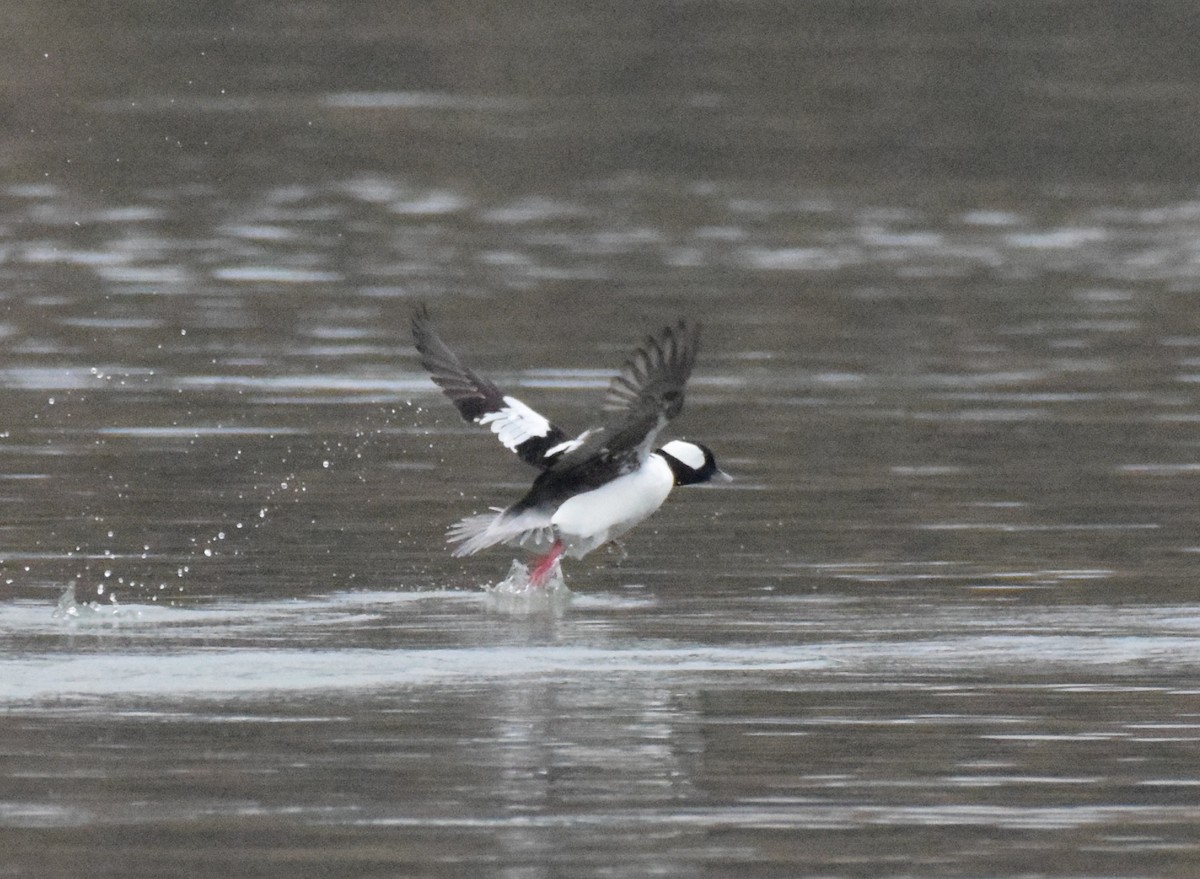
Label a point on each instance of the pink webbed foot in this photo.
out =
(537, 577)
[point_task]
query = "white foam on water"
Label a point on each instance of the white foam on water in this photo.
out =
(382, 640)
(255, 672)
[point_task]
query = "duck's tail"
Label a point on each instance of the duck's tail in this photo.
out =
(528, 528)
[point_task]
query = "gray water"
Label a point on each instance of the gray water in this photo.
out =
(944, 621)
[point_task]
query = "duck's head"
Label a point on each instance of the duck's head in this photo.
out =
(692, 463)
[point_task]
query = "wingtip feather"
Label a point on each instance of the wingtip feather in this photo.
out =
(669, 355)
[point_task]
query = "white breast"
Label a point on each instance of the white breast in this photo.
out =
(588, 520)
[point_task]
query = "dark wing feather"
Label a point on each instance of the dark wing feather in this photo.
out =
(474, 396)
(654, 376)
(477, 399)
(649, 392)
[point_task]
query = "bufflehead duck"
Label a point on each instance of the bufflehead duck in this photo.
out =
(593, 487)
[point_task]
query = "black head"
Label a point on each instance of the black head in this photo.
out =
(692, 463)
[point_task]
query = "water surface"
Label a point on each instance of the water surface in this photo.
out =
(942, 624)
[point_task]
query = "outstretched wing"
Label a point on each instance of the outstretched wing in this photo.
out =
(535, 440)
(643, 398)
(649, 391)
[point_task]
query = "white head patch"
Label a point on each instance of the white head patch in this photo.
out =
(689, 453)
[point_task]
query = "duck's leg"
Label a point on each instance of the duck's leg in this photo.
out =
(537, 577)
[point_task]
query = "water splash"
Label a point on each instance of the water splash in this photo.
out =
(517, 594)
(70, 610)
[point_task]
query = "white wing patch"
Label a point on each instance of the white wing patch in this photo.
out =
(571, 444)
(515, 423)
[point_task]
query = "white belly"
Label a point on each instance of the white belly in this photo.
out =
(605, 513)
